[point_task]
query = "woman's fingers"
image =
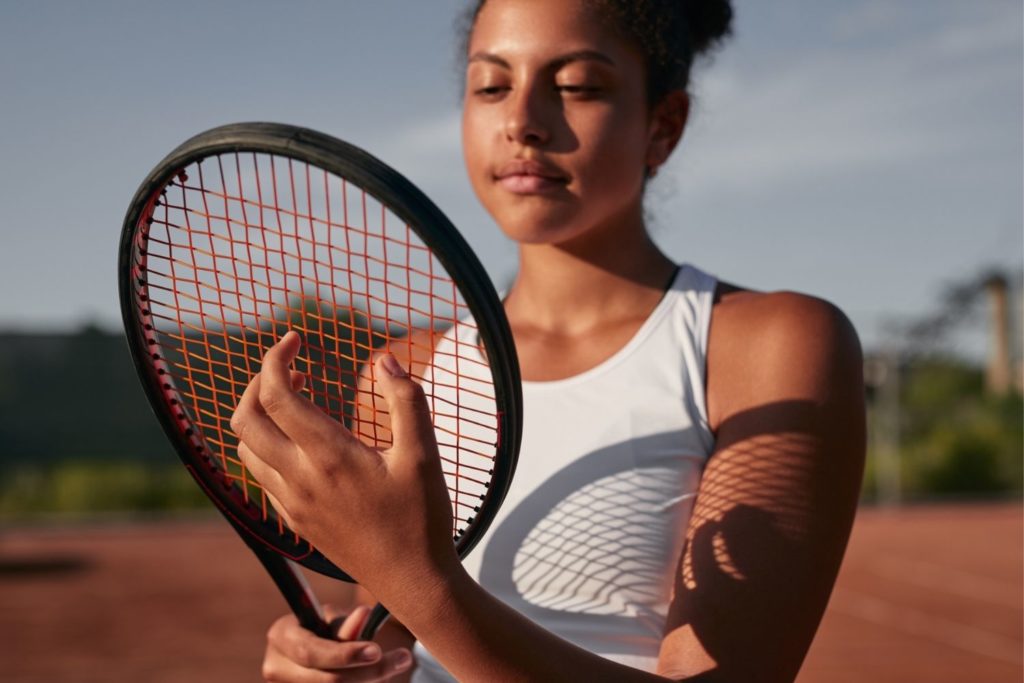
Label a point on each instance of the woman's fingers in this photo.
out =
(352, 625)
(282, 511)
(293, 414)
(297, 655)
(411, 424)
(253, 427)
(274, 419)
(268, 477)
(309, 651)
(279, 669)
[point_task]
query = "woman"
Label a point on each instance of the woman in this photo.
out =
(721, 429)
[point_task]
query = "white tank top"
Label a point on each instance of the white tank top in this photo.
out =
(588, 538)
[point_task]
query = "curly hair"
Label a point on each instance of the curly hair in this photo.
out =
(670, 34)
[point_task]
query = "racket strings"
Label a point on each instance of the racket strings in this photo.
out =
(241, 247)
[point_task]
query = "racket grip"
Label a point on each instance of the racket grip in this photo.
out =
(290, 582)
(378, 615)
(297, 593)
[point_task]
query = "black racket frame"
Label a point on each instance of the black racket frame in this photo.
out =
(407, 202)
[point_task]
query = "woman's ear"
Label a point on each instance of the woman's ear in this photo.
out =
(668, 120)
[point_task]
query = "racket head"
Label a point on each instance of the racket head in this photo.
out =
(199, 309)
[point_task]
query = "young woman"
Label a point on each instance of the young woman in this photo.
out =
(693, 450)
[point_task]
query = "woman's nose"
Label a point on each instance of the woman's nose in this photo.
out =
(526, 117)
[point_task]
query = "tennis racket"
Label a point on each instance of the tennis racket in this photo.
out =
(249, 230)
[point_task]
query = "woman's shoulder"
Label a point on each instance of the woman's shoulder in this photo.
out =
(770, 346)
(771, 314)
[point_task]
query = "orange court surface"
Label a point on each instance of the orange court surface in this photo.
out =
(927, 593)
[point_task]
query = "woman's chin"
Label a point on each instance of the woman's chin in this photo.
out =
(539, 224)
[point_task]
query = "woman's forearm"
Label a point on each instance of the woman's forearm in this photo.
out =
(479, 638)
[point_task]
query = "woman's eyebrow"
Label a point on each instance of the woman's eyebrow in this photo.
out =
(488, 57)
(558, 62)
(583, 56)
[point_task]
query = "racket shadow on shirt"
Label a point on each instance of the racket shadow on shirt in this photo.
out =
(595, 546)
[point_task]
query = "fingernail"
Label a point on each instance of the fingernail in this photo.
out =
(370, 653)
(392, 365)
(401, 660)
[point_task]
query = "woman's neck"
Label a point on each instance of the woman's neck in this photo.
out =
(571, 288)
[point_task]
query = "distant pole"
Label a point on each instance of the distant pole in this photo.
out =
(997, 371)
(883, 373)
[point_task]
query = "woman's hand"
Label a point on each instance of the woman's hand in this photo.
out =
(296, 655)
(382, 515)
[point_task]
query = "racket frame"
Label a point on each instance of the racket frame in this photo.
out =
(407, 203)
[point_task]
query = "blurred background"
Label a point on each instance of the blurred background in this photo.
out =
(865, 151)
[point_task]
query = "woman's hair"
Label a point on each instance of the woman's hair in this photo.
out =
(669, 33)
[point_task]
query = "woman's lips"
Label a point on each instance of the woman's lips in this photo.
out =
(529, 184)
(530, 177)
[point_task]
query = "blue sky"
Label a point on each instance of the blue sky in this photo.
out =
(866, 151)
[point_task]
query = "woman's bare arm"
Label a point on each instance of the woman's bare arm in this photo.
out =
(777, 498)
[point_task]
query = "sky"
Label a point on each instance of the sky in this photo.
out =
(865, 151)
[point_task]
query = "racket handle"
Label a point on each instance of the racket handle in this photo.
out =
(296, 591)
(378, 615)
(302, 600)
(292, 584)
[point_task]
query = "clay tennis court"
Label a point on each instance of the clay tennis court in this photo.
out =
(929, 593)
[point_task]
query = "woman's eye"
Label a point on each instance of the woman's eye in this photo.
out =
(578, 89)
(490, 90)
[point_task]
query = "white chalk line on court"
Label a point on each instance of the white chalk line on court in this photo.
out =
(965, 637)
(946, 580)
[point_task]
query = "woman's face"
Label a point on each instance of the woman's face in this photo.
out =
(556, 130)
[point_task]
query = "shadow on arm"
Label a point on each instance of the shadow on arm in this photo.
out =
(764, 544)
